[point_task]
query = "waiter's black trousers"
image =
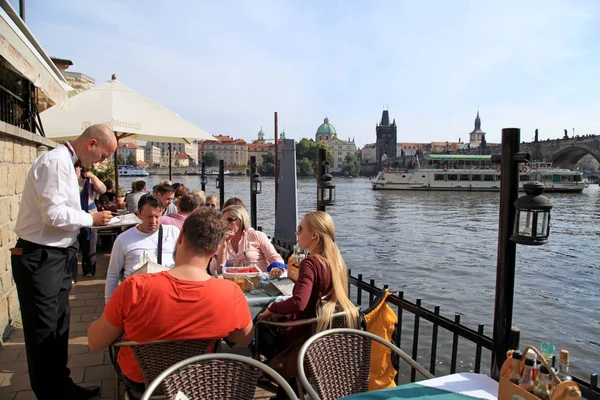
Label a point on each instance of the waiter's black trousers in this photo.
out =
(43, 283)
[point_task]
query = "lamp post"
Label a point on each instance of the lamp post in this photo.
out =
(255, 188)
(325, 187)
(514, 227)
(203, 178)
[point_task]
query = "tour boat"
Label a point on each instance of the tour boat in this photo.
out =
(130, 170)
(473, 173)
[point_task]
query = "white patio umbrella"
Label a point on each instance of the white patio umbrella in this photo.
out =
(125, 111)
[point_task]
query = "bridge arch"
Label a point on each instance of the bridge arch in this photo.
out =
(567, 157)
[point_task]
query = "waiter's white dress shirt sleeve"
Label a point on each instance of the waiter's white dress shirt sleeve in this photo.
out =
(115, 266)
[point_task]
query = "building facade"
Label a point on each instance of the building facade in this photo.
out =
(152, 154)
(341, 148)
(387, 135)
(127, 148)
(234, 152)
(190, 149)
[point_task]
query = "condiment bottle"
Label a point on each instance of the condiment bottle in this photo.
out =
(543, 385)
(526, 381)
(538, 364)
(563, 366)
(515, 367)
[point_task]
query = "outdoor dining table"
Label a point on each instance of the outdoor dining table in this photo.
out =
(461, 386)
(269, 291)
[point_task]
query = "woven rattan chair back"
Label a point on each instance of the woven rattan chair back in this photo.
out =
(339, 365)
(338, 362)
(155, 357)
(215, 377)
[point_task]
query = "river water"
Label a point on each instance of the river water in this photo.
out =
(442, 247)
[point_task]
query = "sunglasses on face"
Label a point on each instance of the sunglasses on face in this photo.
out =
(231, 219)
(210, 205)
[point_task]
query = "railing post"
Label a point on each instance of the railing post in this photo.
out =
(221, 183)
(321, 156)
(252, 194)
(507, 249)
(203, 177)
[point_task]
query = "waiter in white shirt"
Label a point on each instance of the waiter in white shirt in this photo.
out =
(50, 217)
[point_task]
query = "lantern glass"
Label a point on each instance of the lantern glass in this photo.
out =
(203, 179)
(218, 183)
(543, 224)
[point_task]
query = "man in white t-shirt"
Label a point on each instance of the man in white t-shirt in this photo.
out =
(131, 246)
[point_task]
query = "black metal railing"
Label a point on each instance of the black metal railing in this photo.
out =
(17, 101)
(469, 340)
(476, 340)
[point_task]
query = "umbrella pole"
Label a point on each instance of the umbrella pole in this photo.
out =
(116, 163)
(170, 161)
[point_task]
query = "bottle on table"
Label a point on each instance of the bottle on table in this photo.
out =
(543, 384)
(515, 367)
(563, 366)
(526, 381)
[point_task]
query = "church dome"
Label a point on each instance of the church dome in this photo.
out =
(326, 128)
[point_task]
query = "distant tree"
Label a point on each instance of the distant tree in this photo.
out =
(210, 159)
(131, 159)
(177, 163)
(121, 159)
(303, 148)
(305, 167)
(328, 150)
(267, 168)
(352, 165)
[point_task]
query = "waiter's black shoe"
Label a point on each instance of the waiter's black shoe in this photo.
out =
(84, 393)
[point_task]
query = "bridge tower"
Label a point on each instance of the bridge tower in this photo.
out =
(387, 137)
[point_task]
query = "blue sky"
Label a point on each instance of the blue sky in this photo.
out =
(228, 65)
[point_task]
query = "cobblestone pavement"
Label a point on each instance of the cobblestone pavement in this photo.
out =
(87, 368)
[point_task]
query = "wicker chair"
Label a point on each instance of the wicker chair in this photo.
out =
(338, 318)
(215, 376)
(338, 361)
(155, 357)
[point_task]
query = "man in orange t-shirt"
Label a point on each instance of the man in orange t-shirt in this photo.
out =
(182, 303)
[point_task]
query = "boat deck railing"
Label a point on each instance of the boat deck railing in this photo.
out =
(421, 330)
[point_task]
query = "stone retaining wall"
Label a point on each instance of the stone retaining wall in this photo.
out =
(18, 150)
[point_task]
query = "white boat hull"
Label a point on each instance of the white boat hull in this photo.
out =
(473, 180)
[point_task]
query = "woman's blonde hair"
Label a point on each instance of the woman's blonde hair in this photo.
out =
(211, 197)
(327, 251)
(240, 213)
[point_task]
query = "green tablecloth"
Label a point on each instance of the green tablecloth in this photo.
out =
(409, 391)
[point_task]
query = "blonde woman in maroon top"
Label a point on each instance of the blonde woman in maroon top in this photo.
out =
(320, 290)
(322, 285)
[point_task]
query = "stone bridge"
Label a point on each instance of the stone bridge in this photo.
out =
(564, 153)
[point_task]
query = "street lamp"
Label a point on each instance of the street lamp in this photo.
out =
(218, 182)
(203, 178)
(532, 221)
(326, 188)
(255, 184)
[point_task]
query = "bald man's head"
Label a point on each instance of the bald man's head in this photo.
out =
(95, 144)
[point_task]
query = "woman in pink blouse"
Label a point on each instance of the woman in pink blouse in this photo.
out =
(246, 246)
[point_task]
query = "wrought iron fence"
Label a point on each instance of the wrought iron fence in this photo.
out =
(17, 101)
(475, 345)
